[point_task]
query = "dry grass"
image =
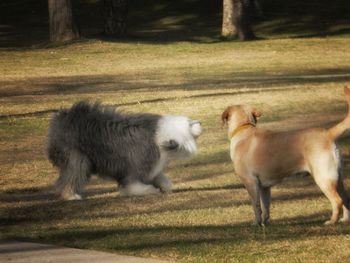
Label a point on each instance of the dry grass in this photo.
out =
(296, 83)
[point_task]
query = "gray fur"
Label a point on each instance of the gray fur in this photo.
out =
(94, 139)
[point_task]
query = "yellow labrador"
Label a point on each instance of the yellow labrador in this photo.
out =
(263, 158)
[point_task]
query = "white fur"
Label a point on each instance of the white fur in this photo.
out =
(179, 129)
(196, 128)
(138, 189)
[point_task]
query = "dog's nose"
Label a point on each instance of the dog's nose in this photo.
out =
(196, 128)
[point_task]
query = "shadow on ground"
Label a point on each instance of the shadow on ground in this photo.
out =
(114, 238)
(45, 206)
(105, 84)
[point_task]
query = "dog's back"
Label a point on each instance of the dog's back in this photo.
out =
(103, 135)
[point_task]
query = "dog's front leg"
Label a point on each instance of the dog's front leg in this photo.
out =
(252, 185)
(163, 183)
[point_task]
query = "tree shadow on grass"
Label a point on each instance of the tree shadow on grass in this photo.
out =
(42, 207)
(89, 86)
(139, 238)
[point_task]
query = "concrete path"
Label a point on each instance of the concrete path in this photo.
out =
(24, 252)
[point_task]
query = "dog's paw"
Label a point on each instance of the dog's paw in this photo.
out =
(138, 189)
(344, 220)
(167, 191)
(166, 187)
(329, 222)
(150, 190)
(257, 223)
(72, 197)
(266, 222)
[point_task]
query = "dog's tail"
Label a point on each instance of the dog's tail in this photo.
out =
(337, 130)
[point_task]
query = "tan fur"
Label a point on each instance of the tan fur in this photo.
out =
(263, 158)
(339, 129)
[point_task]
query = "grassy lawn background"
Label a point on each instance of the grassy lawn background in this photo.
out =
(296, 83)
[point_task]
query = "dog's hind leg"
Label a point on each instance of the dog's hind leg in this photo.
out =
(163, 183)
(326, 178)
(265, 196)
(73, 176)
(329, 188)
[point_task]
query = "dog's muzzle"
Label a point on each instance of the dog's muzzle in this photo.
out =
(196, 128)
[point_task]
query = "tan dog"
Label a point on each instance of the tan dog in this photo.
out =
(263, 158)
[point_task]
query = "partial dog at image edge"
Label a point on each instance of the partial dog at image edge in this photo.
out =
(131, 148)
(263, 158)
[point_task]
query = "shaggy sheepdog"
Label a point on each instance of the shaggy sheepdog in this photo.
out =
(131, 148)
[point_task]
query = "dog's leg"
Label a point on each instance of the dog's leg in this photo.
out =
(329, 188)
(68, 193)
(325, 172)
(137, 189)
(252, 185)
(330, 191)
(73, 176)
(265, 196)
(340, 187)
(163, 183)
(66, 185)
(346, 201)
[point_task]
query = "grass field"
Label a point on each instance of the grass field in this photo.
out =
(294, 77)
(296, 83)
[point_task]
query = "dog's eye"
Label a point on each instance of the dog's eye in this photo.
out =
(171, 145)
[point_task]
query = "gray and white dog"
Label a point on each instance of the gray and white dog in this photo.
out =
(131, 148)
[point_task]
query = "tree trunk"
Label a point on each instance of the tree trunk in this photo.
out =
(115, 13)
(237, 16)
(62, 24)
(244, 11)
(228, 29)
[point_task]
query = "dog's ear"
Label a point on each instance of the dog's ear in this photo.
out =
(225, 116)
(256, 115)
